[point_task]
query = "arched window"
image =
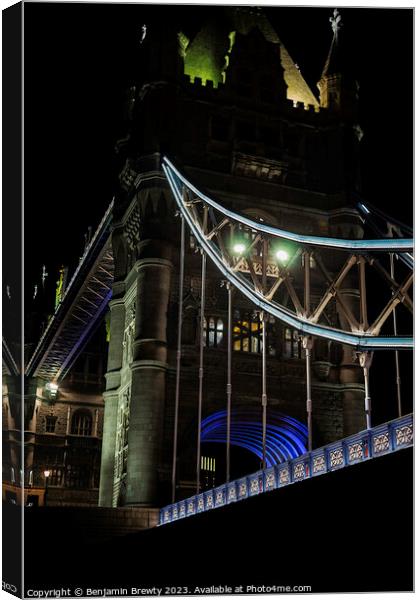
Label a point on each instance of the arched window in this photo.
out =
(291, 343)
(208, 472)
(247, 330)
(247, 333)
(81, 423)
(212, 332)
(50, 422)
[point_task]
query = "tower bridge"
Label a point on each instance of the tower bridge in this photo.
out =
(217, 231)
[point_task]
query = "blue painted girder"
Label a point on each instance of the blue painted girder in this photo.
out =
(361, 340)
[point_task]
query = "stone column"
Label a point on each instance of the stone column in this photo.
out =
(68, 420)
(351, 375)
(14, 394)
(148, 374)
(33, 388)
(106, 485)
(115, 350)
(113, 380)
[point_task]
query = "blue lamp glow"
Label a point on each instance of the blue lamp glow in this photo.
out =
(286, 437)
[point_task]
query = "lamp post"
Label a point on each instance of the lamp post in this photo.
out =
(365, 361)
(282, 256)
(201, 359)
(52, 390)
(263, 318)
(308, 343)
(47, 474)
(229, 381)
(178, 356)
(397, 359)
(239, 248)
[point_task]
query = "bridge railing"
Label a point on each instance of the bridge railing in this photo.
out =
(370, 443)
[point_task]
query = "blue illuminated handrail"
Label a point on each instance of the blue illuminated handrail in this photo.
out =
(366, 211)
(362, 340)
(365, 445)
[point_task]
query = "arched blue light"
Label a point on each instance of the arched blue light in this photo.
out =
(286, 437)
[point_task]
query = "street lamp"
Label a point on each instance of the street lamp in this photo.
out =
(282, 255)
(52, 389)
(47, 474)
(239, 248)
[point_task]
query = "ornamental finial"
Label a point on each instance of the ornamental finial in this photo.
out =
(335, 21)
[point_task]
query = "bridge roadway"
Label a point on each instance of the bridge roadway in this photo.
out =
(363, 446)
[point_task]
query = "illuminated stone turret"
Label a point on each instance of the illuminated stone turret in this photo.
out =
(244, 20)
(209, 54)
(255, 70)
(205, 55)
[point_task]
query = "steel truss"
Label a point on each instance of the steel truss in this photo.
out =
(284, 290)
(83, 305)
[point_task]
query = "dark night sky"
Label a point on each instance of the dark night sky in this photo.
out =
(79, 59)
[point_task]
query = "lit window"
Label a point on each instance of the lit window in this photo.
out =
(81, 423)
(247, 334)
(212, 332)
(291, 343)
(56, 477)
(208, 472)
(208, 464)
(78, 476)
(50, 422)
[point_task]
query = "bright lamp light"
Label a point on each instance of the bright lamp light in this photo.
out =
(239, 248)
(282, 255)
(52, 389)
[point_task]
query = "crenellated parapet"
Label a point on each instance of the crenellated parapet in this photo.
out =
(220, 91)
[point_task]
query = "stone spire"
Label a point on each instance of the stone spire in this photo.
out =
(332, 65)
(338, 88)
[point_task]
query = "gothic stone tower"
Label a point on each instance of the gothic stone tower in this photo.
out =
(226, 101)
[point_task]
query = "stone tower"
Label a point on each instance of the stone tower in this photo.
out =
(227, 102)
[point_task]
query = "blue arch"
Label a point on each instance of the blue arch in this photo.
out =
(286, 437)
